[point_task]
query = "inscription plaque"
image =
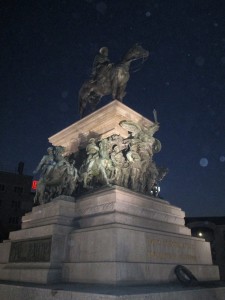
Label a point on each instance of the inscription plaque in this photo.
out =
(171, 250)
(31, 251)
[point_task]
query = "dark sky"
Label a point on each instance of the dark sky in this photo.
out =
(46, 52)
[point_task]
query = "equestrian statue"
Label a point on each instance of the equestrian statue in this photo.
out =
(108, 78)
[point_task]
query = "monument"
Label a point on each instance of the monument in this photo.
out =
(98, 218)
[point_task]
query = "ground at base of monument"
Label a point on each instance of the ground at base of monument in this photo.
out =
(26, 291)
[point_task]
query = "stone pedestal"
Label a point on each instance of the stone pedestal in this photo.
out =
(111, 236)
(100, 124)
(127, 238)
(36, 252)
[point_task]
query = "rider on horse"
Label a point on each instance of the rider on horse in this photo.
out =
(46, 164)
(108, 78)
(101, 60)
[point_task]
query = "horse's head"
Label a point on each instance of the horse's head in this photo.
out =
(136, 52)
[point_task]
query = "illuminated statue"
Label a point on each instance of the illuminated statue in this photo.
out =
(101, 61)
(107, 78)
(94, 167)
(127, 162)
(118, 161)
(58, 176)
(135, 168)
(46, 164)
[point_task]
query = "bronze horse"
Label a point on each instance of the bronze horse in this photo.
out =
(111, 80)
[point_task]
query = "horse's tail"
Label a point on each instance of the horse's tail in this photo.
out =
(80, 107)
(81, 102)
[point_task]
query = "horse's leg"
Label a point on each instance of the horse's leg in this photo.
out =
(118, 85)
(102, 169)
(94, 101)
(114, 88)
(82, 105)
(84, 95)
(39, 197)
(121, 92)
(81, 112)
(87, 177)
(38, 193)
(36, 201)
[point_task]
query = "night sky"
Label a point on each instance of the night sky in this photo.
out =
(46, 53)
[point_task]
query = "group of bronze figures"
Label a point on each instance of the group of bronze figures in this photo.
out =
(127, 162)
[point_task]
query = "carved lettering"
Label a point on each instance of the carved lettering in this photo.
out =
(162, 249)
(97, 209)
(31, 251)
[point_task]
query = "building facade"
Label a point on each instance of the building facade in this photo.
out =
(16, 198)
(212, 229)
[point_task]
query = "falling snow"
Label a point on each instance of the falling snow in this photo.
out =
(203, 162)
